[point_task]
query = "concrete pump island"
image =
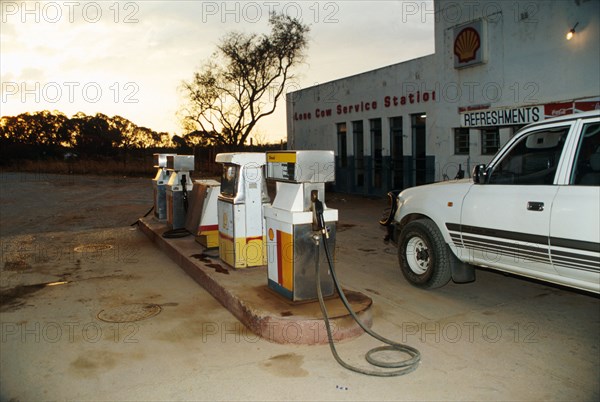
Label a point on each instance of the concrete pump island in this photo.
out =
(269, 264)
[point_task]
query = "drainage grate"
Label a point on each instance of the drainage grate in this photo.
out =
(129, 312)
(92, 248)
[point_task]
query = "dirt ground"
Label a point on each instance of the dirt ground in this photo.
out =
(41, 202)
(499, 338)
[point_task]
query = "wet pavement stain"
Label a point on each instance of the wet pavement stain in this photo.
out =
(96, 362)
(373, 291)
(285, 365)
(286, 313)
(17, 265)
(86, 366)
(202, 257)
(219, 268)
(356, 297)
(344, 226)
(15, 298)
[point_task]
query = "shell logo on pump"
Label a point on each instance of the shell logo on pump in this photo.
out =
(225, 223)
(271, 234)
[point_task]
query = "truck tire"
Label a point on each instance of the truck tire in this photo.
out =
(425, 258)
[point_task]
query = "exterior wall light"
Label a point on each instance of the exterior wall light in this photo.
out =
(571, 32)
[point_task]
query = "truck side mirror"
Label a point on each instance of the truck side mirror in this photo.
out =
(479, 174)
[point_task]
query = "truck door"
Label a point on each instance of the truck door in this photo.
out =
(505, 222)
(575, 217)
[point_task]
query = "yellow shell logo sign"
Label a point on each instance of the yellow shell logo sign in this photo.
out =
(466, 45)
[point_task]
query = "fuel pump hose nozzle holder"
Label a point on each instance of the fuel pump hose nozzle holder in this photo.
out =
(318, 219)
(185, 194)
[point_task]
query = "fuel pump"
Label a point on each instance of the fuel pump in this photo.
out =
(301, 234)
(240, 209)
(159, 186)
(179, 186)
(294, 221)
(202, 217)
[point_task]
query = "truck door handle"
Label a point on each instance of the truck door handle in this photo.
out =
(535, 206)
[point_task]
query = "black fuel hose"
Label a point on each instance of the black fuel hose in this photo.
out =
(185, 194)
(147, 213)
(403, 367)
(176, 233)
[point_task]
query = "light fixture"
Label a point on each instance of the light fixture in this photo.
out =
(572, 32)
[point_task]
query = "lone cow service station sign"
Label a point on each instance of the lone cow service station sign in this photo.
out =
(367, 105)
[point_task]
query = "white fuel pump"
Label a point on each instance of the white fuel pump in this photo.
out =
(240, 209)
(159, 186)
(179, 186)
(291, 223)
(301, 236)
(202, 217)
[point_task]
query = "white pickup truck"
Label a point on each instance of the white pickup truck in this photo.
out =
(534, 211)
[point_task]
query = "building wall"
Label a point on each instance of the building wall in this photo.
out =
(527, 66)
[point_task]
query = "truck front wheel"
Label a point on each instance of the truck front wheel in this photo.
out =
(425, 258)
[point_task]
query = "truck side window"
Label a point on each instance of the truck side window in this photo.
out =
(532, 160)
(586, 171)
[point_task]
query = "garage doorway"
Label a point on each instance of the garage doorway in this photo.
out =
(396, 157)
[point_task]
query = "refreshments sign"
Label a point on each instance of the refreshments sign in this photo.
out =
(516, 116)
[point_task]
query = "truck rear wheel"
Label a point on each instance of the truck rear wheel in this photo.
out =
(425, 259)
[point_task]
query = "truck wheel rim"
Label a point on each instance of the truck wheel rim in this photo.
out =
(417, 255)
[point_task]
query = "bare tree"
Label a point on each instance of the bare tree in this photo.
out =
(243, 81)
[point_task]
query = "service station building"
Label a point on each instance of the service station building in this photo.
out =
(498, 65)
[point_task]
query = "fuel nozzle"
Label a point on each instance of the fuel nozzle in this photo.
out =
(317, 208)
(185, 194)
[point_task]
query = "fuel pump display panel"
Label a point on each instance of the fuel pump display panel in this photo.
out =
(160, 160)
(229, 180)
(180, 162)
(301, 166)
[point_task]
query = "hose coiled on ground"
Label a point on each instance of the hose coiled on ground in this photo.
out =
(401, 367)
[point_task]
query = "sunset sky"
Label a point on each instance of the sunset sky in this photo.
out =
(129, 58)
